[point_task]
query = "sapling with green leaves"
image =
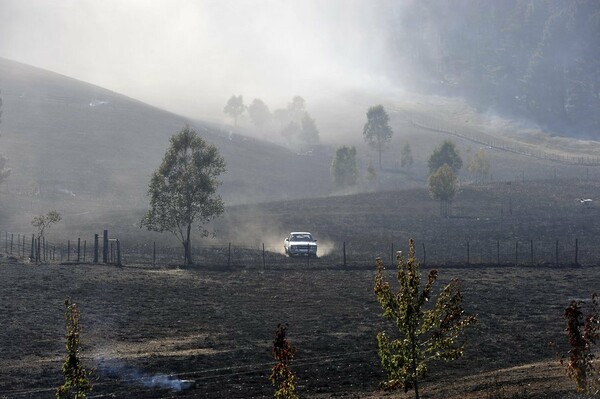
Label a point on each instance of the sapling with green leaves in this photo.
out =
(424, 332)
(77, 382)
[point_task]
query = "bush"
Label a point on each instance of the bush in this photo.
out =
(77, 379)
(422, 335)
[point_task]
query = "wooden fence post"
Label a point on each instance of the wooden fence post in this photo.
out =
(39, 249)
(264, 261)
(95, 248)
(531, 245)
(78, 249)
(468, 253)
(11, 242)
(307, 254)
(498, 252)
(119, 253)
(105, 246)
(84, 249)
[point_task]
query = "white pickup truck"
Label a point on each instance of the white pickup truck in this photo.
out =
(300, 243)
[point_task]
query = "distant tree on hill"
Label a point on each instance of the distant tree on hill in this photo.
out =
(183, 189)
(406, 158)
(4, 171)
(377, 131)
(235, 108)
(371, 172)
(281, 115)
(442, 187)
(43, 222)
(479, 165)
(343, 167)
(297, 108)
(445, 154)
(309, 134)
(291, 131)
(259, 112)
(427, 329)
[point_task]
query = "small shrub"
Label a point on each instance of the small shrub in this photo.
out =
(281, 374)
(583, 335)
(77, 379)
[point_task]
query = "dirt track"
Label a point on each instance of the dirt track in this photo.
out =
(215, 328)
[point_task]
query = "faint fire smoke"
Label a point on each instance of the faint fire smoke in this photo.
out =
(133, 375)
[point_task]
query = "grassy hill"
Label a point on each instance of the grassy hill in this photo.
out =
(69, 141)
(88, 152)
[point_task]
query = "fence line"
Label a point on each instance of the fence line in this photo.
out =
(573, 251)
(513, 148)
(38, 249)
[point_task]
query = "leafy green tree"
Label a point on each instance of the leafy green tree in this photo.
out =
(445, 153)
(43, 222)
(183, 189)
(235, 108)
(76, 378)
(584, 335)
(259, 112)
(309, 134)
(423, 334)
(479, 165)
(442, 187)
(406, 158)
(282, 375)
(377, 131)
(343, 167)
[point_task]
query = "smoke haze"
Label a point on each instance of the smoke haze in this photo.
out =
(189, 57)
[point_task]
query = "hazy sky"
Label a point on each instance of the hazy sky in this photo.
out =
(190, 56)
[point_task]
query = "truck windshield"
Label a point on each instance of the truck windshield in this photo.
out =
(302, 237)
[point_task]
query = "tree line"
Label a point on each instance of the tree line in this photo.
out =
(444, 163)
(294, 123)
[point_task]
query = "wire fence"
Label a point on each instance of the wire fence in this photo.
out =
(498, 144)
(352, 253)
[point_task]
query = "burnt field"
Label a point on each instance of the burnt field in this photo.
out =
(206, 331)
(148, 328)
